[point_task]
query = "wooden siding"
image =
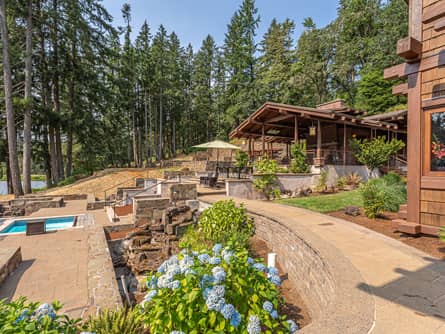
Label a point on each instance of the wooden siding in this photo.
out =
(433, 80)
(432, 207)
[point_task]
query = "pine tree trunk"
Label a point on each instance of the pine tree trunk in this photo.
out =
(27, 122)
(160, 126)
(47, 158)
(53, 156)
(56, 95)
(10, 118)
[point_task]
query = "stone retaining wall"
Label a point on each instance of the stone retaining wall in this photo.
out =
(103, 290)
(10, 258)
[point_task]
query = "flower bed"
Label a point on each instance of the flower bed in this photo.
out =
(217, 290)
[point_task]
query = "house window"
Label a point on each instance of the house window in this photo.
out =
(437, 142)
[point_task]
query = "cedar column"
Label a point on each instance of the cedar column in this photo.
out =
(344, 144)
(296, 130)
(263, 140)
(319, 159)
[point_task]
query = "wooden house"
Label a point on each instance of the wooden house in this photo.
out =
(424, 70)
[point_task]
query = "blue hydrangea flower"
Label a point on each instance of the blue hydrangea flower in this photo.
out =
(227, 311)
(236, 319)
(215, 260)
(268, 306)
(205, 280)
(152, 283)
(164, 280)
(260, 267)
(174, 285)
(189, 271)
(162, 268)
(227, 255)
(174, 270)
(293, 327)
(217, 248)
(214, 302)
(176, 332)
(274, 314)
(45, 310)
(273, 271)
(254, 325)
(187, 261)
(23, 316)
(207, 292)
(219, 291)
(250, 261)
(149, 296)
(173, 260)
(275, 280)
(203, 258)
(195, 253)
(219, 275)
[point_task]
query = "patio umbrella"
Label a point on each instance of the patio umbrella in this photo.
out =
(218, 145)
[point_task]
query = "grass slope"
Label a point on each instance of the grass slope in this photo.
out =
(326, 203)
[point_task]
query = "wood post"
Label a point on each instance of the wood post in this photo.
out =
(318, 140)
(344, 144)
(296, 129)
(263, 140)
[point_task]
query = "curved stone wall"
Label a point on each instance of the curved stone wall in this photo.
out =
(325, 279)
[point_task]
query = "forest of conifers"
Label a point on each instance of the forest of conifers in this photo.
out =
(80, 94)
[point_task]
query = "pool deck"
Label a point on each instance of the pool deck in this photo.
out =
(59, 265)
(407, 285)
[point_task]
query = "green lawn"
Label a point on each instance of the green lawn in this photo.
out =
(326, 203)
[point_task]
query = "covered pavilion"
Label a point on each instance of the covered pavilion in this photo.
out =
(327, 130)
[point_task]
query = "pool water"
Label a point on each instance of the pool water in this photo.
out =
(51, 224)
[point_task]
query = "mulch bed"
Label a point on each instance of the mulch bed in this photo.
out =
(294, 307)
(429, 244)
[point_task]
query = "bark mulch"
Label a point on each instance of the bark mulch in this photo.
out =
(429, 244)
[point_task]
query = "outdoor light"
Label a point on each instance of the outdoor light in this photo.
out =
(273, 132)
(312, 130)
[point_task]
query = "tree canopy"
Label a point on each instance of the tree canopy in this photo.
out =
(87, 95)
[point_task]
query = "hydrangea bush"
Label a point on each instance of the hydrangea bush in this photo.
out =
(21, 316)
(216, 291)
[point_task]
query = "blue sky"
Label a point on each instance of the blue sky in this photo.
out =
(192, 20)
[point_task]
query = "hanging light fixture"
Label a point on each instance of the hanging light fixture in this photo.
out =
(312, 130)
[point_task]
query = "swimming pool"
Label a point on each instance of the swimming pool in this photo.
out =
(51, 224)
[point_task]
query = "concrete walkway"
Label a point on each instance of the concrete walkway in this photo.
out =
(408, 285)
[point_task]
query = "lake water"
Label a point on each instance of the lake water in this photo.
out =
(34, 185)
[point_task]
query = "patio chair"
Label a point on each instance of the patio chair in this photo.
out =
(35, 227)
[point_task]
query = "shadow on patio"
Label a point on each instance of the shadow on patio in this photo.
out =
(9, 286)
(422, 290)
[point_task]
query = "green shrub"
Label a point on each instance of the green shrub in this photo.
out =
(353, 180)
(21, 316)
(375, 153)
(224, 222)
(341, 182)
(298, 163)
(266, 182)
(322, 185)
(214, 292)
(241, 158)
(384, 194)
(68, 180)
(121, 321)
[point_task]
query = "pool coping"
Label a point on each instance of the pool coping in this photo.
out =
(9, 221)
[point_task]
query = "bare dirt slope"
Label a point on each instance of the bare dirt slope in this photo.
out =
(106, 181)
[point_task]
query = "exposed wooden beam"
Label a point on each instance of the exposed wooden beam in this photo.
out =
(286, 115)
(282, 126)
(409, 48)
(405, 69)
(401, 89)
